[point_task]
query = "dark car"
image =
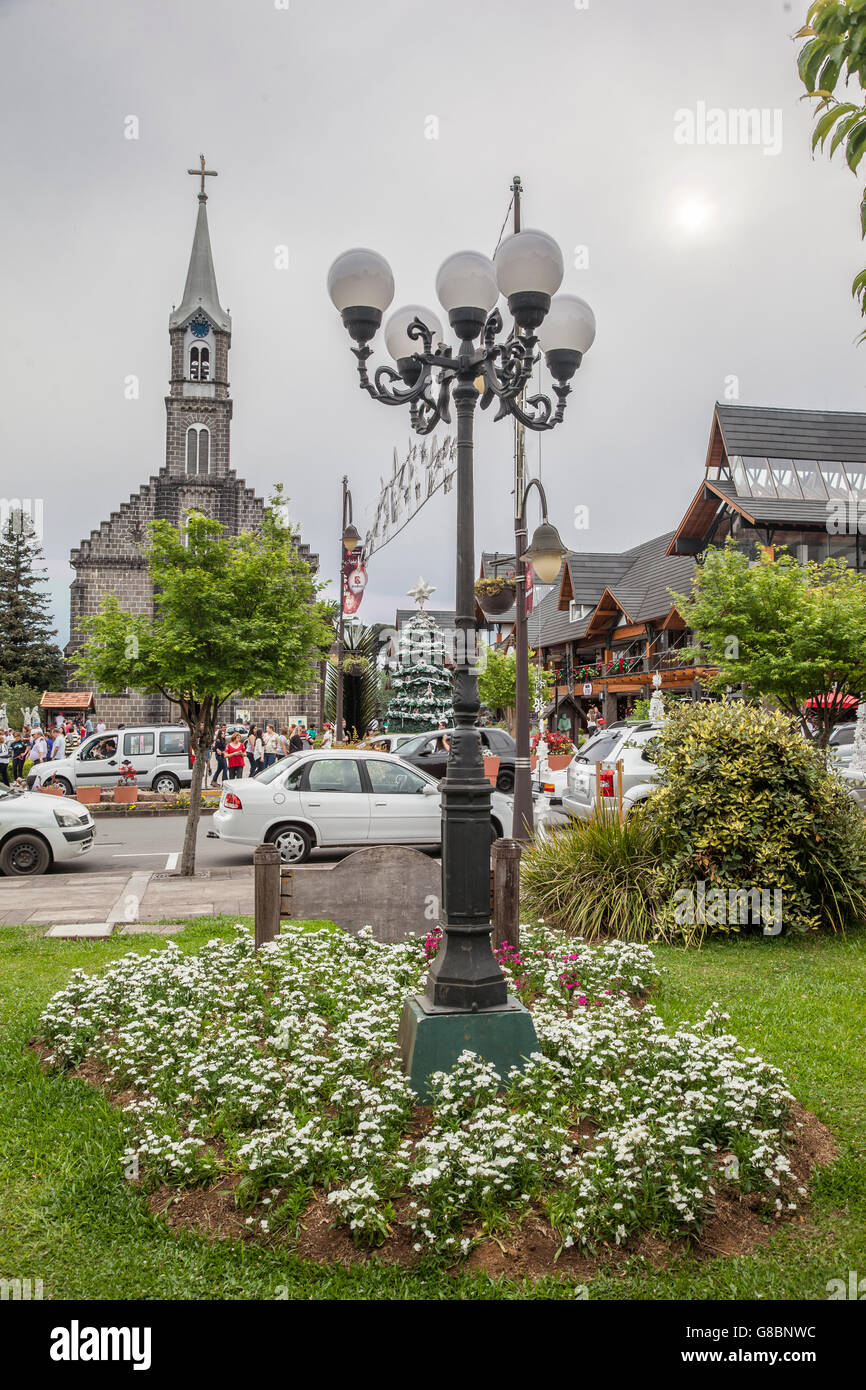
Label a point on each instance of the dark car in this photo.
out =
(428, 752)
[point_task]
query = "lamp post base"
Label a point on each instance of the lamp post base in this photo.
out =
(431, 1038)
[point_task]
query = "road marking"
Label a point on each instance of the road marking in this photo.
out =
(171, 861)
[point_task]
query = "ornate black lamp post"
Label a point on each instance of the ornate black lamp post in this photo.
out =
(350, 539)
(430, 375)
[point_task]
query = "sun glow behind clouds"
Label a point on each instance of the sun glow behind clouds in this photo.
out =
(692, 214)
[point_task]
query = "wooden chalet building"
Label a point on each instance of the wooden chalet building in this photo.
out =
(794, 478)
(609, 625)
(772, 478)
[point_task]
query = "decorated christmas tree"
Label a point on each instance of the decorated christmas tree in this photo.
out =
(421, 685)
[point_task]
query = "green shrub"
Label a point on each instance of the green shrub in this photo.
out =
(595, 878)
(743, 803)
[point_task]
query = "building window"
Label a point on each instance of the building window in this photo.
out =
(198, 449)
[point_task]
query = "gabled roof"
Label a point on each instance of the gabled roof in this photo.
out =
(635, 581)
(200, 291)
(767, 432)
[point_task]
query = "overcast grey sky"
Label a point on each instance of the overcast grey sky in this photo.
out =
(705, 262)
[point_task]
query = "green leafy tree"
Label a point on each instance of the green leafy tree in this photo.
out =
(791, 632)
(497, 684)
(835, 53)
(231, 613)
(28, 654)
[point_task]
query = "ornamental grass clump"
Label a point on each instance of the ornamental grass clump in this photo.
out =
(277, 1071)
(745, 803)
(595, 878)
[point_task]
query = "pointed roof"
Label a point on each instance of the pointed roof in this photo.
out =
(200, 290)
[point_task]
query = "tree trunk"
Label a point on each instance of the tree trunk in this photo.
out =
(201, 738)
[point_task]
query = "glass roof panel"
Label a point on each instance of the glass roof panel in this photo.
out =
(834, 477)
(811, 481)
(785, 478)
(857, 477)
(738, 473)
(760, 478)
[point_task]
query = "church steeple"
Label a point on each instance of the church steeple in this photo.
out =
(200, 290)
(199, 408)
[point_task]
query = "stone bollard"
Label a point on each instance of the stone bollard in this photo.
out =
(266, 881)
(505, 864)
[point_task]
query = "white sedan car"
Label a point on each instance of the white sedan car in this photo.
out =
(37, 830)
(339, 797)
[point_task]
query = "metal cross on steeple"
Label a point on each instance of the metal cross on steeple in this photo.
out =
(203, 173)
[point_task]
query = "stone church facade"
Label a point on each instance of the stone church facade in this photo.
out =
(196, 475)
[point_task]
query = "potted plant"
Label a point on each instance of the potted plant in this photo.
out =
(497, 594)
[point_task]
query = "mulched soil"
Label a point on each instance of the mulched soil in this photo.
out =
(739, 1223)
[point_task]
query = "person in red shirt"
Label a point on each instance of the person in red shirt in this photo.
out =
(235, 756)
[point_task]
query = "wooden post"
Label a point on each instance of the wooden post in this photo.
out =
(287, 892)
(619, 771)
(505, 860)
(266, 881)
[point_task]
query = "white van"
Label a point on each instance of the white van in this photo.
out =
(158, 752)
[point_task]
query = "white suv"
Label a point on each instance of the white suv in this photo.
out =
(634, 744)
(158, 752)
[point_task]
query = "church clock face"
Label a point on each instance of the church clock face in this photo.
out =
(199, 327)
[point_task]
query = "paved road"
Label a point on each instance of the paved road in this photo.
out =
(155, 844)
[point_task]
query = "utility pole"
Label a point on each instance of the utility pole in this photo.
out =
(523, 821)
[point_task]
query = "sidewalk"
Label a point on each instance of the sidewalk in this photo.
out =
(118, 901)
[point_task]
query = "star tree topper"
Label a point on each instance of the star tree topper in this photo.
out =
(421, 592)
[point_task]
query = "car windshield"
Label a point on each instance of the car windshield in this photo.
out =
(415, 744)
(599, 748)
(277, 769)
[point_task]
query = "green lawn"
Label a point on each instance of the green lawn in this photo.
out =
(68, 1216)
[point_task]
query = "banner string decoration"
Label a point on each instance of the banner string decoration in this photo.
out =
(427, 467)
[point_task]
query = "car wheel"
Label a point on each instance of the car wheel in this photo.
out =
(166, 783)
(24, 854)
(293, 843)
(505, 781)
(495, 830)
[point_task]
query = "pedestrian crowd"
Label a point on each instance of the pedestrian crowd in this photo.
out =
(245, 752)
(35, 744)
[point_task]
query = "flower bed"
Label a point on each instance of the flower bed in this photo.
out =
(273, 1078)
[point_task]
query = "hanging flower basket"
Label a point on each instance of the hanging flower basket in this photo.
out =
(495, 595)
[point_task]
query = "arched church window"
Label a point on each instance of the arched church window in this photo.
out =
(198, 449)
(204, 364)
(194, 363)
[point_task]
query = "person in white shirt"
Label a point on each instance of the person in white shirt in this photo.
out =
(5, 755)
(327, 737)
(101, 727)
(59, 748)
(272, 745)
(39, 748)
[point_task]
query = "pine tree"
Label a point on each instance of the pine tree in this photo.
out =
(421, 687)
(28, 655)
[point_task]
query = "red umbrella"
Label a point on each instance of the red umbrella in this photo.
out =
(834, 702)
